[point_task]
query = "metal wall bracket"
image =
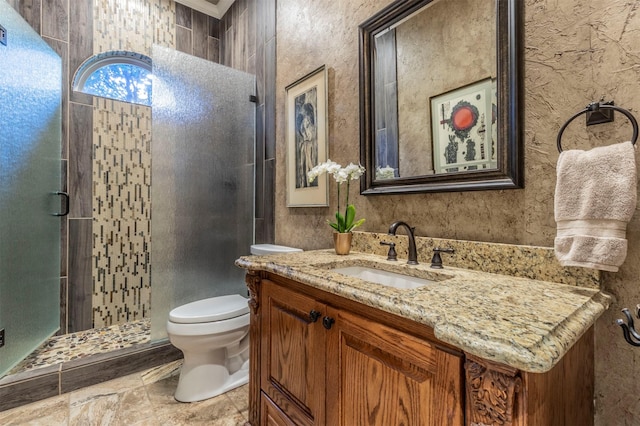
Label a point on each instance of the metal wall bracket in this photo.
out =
(599, 115)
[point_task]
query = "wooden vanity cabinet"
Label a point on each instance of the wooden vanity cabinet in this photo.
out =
(322, 364)
(320, 359)
(378, 375)
(293, 343)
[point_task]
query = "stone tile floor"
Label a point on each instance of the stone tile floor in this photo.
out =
(144, 398)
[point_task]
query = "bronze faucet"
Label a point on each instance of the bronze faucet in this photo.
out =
(436, 260)
(413, 254)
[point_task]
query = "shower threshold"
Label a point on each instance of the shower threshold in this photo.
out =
(82, 344)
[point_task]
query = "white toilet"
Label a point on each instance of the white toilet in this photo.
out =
(213, 335)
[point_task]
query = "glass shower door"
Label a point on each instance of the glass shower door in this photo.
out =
(30, 138)
(202, 176)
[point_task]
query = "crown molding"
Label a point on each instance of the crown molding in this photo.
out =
(217, 11)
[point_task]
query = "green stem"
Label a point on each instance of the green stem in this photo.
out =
(348, 181)
(338, 183)
(347, 206)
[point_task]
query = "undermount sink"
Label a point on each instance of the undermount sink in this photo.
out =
(389, 279)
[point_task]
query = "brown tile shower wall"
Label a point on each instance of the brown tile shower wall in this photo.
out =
(248, 43)
(197, 33)
(105, 150)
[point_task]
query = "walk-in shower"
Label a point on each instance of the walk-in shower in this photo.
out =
(199, 195)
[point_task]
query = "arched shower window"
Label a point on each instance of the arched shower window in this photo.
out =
(119, 75)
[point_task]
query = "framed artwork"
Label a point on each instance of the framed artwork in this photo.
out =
(306, 138)
(464, 128)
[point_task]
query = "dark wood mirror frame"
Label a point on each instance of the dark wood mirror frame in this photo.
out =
(509, 173)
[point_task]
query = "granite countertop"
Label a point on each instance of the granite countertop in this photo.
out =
(524, 323)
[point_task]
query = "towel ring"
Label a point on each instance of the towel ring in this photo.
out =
(594, 107)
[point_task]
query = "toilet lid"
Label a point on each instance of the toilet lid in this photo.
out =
(210, 310)
(264, 249)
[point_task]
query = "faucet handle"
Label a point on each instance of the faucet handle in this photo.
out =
(436, 260)
(392, 255)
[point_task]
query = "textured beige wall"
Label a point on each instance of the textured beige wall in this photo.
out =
(574, 52)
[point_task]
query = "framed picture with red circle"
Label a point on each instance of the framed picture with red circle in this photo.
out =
(464, 130)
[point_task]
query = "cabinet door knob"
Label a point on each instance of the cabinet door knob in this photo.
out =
(327, 322)
(314, 315)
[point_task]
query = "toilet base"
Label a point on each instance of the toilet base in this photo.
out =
(193, 384)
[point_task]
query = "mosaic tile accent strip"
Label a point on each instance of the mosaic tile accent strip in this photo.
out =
(121, 212)
(121, 166)
(133, 25)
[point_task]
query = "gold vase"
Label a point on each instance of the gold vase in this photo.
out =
(342, 242)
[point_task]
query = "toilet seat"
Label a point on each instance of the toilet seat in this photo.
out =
(208, 328)
(210, 310)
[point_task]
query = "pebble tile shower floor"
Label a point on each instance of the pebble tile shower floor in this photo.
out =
(68, 347)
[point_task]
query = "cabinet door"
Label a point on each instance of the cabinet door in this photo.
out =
(377, 375)
(271, 414)
(293, 353)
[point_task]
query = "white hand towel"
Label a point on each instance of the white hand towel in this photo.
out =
(594, 200)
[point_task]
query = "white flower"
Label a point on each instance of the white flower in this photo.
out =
(332, 167)
(385, 173)
(344, 223)
(340, 174)
(326, 167)
(354, 171)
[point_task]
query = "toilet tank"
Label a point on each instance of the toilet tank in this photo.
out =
(264, 249)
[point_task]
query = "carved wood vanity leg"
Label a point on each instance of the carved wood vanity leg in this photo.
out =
(491, 390)
(253, 284)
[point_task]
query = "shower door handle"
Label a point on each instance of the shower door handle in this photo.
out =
(65, 196)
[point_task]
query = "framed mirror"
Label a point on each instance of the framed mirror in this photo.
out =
(440, 88)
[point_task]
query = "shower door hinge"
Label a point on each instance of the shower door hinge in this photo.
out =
(3, 35)
(1, 337)
(253, 98)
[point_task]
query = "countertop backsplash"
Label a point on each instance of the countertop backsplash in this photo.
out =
(537, 263)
